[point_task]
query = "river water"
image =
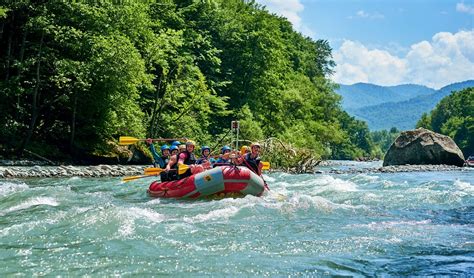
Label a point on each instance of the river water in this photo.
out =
(416, 223)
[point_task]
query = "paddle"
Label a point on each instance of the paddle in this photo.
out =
(149, 172)
(155, 171)
(128, 140)
(132, 178)
(265, 165)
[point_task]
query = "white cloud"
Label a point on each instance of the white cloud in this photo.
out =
(289, 9)
(367, 15)
(446, 59)
(463, 8)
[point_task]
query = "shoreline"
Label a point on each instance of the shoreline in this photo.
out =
(63, 171)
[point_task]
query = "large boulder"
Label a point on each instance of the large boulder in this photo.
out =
(422, 146)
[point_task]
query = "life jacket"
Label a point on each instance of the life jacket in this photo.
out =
(252, 163)
(202, 159)
(173, 175)
(164, 161)
(189, 160)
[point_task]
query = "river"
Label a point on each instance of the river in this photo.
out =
(400, 224)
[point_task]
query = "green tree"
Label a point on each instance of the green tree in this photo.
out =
(454, 116)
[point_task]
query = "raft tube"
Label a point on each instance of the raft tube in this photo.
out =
(222, 180)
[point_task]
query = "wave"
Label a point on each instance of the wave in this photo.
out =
(37, 201)
(464, 186)
(384, 225)
(218, 214)
(7, 188)
(331, 184)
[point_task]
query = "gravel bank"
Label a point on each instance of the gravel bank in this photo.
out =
(70, 171)
(126, 170)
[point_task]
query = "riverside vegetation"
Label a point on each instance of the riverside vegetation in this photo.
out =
(75, 75)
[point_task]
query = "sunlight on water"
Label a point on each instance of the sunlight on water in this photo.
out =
(359, 224)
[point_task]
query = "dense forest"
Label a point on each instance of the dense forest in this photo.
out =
(75, 75)
(454, 116)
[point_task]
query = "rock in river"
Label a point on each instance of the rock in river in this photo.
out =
(422, 146)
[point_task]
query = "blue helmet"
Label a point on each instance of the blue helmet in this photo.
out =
(203, 148)
(225, 148)
(175, 143)
(164, 147)
(173, 147)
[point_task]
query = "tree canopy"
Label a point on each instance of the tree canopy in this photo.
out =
(454, 116)
(75, 75)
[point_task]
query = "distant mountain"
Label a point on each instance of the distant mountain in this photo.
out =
(364, 94)
(390, 113)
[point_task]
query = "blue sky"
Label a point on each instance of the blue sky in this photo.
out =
(427, 42)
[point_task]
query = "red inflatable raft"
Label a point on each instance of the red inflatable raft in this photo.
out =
(219, 181)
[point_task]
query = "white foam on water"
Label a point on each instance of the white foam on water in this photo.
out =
(329, 183)
(218, 214)
(29, 225)
(384, 225)
(155, 201)
(370, 197)
(364, 178)
(7, 188)
(37, 201)
(305, 202)
(127, 227)
(268, 178)
(145, 213)
(128, 216)
(464, 186)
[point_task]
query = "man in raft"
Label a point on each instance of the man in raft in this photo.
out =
(252, 160)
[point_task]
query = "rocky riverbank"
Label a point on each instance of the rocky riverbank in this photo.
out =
(70, 171)
(396, 169)
(126, 170)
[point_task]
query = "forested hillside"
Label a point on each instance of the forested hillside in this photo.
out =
(454, 116)
(400, 114)
(75, 75)
(365, 94)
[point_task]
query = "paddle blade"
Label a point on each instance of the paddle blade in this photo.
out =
(132, 178)
(182, 168)
(153, 171)
(265, 165)
(127, 140)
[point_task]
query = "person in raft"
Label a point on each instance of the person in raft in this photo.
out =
(160, 160)
(244, 150)
(224, 158)
(252, 159)
(187, 158)
(205, 156)
(172, 166)
(175, 143)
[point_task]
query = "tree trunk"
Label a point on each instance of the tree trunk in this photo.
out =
(9, 55)
(34, 106)
(73, 124)
(155, 109)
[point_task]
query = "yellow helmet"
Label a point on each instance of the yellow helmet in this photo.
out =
(244, 149)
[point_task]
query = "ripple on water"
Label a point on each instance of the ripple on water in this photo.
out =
(380, 224)
(7, 187)
(32, 202)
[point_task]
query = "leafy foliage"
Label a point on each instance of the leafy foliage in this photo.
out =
(78, 74)
(454, 116)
